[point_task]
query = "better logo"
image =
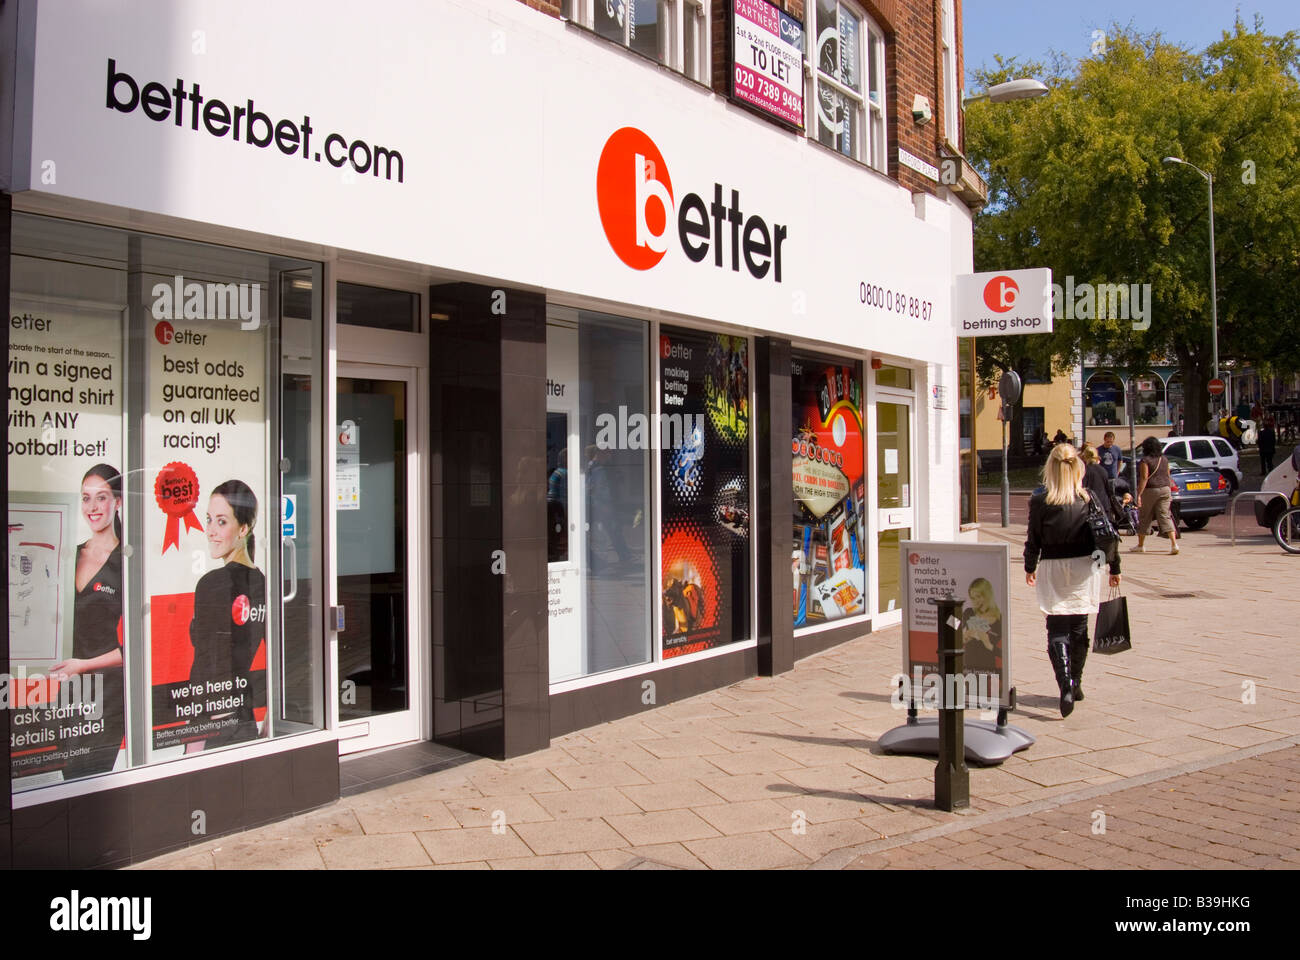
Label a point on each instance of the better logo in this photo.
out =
(635, 196)
(1001, 294)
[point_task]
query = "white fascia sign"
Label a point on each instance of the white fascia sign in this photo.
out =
(1003, 303)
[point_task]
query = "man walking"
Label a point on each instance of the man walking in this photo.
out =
(1267, 443)
(1111, 459)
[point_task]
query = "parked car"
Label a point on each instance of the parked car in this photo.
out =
(1199, 493)
(1214, 452)
(1268, 507)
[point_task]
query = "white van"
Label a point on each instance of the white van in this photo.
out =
(1214, 453)
(1283, 478)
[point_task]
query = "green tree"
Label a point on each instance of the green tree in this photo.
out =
(1077, 184)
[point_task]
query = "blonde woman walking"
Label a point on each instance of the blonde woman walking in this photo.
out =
(1059, 565)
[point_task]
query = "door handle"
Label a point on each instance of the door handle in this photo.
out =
(293, 568)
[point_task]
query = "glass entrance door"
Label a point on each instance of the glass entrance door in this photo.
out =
(375, 516)
(894, 498)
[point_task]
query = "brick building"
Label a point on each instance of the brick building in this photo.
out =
(593, 354)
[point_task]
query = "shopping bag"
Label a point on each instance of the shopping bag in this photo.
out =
(1112, 632)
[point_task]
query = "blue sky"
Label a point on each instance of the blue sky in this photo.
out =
(1029, 29)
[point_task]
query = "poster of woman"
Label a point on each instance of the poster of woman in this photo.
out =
(207, 537)
(975, 575)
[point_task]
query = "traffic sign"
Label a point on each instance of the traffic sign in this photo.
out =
(1009, 387)
(1217, 387)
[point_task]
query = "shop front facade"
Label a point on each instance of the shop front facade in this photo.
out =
(470, 382)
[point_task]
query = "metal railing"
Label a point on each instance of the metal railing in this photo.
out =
(1232, 508)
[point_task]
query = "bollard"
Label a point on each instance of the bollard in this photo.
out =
(951, 776)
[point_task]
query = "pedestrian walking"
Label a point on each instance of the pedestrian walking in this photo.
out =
(1096, 482)
(1153, 496)
(1059, 565)
(1267, 443)
(1112, 461)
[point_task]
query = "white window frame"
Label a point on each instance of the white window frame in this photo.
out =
(671, 51)
(949, 35)
(869, 133)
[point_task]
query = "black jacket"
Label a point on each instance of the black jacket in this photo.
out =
(1097, 480)
(1060, 531)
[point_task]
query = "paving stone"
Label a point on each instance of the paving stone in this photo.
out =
(569, 836)
(559, 861)
(669, 796)
(609, 774)
(405, 815)
(512, 808)
(749, 817)
(581, 804)
(662, 827)
(746, 851)
(384, 851)
(472, 843)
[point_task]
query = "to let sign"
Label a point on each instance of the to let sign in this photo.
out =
(767, 59)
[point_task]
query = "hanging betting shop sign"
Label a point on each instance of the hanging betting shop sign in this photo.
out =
(767, 60)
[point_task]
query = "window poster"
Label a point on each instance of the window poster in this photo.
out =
(206, 509)
(704, 436)
(830, 526)
(65, 687)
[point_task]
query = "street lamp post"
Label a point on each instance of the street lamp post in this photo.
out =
(1025, 88)
(1214, 296)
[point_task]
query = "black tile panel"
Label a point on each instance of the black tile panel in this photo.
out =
(774, 427)
(162, 816)
(590, 706)
(40, 836)
(99, 829)
(268, 787)
(808, 644)
(219, 793)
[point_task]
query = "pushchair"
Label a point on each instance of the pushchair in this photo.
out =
(1125, 514)
(1127, 520)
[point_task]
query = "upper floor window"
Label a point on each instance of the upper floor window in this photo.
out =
(674, 32)
(848, 82)
(950, 72)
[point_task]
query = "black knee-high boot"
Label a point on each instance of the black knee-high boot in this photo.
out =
(1058, 651)
(1078, 656)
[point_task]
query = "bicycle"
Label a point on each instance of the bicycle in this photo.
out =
(1286, 528)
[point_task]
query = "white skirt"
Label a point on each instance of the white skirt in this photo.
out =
(1069, 586)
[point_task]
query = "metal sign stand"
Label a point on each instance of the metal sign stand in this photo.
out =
(949, 734)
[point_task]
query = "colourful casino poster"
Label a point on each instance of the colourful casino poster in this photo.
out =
(828, 558)
(704, 430)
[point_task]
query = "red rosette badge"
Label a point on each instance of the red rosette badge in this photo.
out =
(176, 489)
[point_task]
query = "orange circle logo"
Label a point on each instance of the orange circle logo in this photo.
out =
(241, 610)
(635, 196)
(1001, 294)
